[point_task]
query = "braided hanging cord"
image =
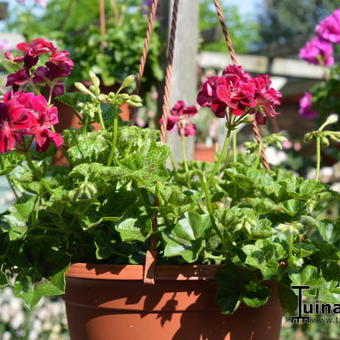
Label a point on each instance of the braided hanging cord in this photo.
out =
(169, 68)
(233, 57)
(147, 40)
(151, 254)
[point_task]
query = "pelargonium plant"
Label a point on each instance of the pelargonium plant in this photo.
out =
(260, 225)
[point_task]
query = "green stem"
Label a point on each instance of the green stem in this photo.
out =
(290, 248)
(318, 158)
(223, 155)
(172, 161)
(100, 116)
(184, 153)
(114, 136)
(235, 146)
(211, 212)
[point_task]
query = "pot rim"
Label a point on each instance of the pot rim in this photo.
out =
(136, 272)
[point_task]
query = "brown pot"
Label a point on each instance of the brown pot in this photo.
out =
(111, 302)
(204, 153)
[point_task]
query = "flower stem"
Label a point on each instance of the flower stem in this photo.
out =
(184, 153)
(318, 157)
(100, 116)
(235, 146)
(114, 136)
(223, 155)
(290, 248)
(211, 212)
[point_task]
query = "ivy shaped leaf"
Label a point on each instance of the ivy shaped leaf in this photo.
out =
(186, 237)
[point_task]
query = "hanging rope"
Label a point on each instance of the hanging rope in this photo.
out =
(147, 40)
(169, 68)
(233, 58)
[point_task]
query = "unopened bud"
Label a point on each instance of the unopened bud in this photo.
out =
(128, 81)
(124, 96)
(83, 89)
(94, 79)
(136, 98)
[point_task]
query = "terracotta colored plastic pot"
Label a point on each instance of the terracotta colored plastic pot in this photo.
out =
(204, 153)
(105, 302)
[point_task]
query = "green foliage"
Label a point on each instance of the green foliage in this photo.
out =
(75, 27)
(286, 20)
(243, 30)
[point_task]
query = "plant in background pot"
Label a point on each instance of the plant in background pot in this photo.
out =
(230, 228)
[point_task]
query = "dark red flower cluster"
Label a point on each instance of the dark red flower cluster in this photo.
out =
(58, 66)
(242, 94)
(179, 119)
(25, 114)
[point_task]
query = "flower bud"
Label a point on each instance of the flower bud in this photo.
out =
(83, 89)
(325, 141)
(136, 98)
(332, 119)
(94, 79)
(335, 136)
(102, 97)
(124, 96)
(128, 81)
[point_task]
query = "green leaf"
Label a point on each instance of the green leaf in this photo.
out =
(304, 249)
(330, 292)
(104, 245)
(133, 229)
(231, 282)
(260, 229)
(309, 276)
(18, 217)
(185, 238)
(265, 256)
(9, 161)
(87, 147)
(255, 294)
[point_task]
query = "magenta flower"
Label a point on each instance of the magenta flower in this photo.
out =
(317, 51)
(58, 66)
(305, 109)
(18, 78)
(179, 119)
(207, 96)
(266, 99)
(242, 94)
(26, 114)
(329, 28)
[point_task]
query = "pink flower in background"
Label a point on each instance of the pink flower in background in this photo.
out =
(305, 109)
(317, 51)
(4, 45)
(179, 118)
(329, 28)
(42, 3)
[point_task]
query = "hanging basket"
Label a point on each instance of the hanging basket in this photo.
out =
(105, 302)
(161, 302)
